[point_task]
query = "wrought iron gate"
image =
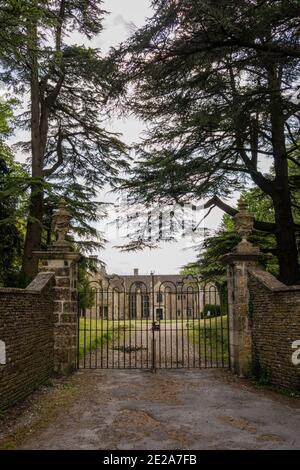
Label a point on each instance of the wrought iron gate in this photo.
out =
(151, 324)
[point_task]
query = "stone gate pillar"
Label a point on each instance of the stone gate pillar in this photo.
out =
(63, 262)
(238, 263)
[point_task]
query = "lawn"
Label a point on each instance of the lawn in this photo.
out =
(211, 336)
(96, 333)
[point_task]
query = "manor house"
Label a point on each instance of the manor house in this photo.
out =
(160, 297)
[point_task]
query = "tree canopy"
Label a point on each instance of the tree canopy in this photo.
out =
(222, 241)
(11, 233)
(68, 106)
(216, 83)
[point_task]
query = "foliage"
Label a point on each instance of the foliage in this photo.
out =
(68, 91)
(11, 202)
(214, 310)
(95, 334)
(211, 336)
(87, 294)
(85, 210)
(209, 265)
(260, 374)
(10, 235)
(216, 82)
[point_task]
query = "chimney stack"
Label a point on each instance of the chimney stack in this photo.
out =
(136, 272)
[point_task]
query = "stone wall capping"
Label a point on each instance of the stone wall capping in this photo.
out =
(41, 281)
(269, 281)
(18, 291)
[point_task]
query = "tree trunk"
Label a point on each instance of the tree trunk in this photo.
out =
(281, 195)
(33, 235)
(285, 232)
(40, 109)
(286, 243)
(34, 225)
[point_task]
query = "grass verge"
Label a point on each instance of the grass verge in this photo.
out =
(31, 416)
(211, 337)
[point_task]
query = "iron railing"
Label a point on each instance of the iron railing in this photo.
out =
(151, 325)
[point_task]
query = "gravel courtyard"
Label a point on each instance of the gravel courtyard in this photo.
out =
(184, 409)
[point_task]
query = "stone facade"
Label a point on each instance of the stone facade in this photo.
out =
(26, 332)
(139, 296)
(274, 310)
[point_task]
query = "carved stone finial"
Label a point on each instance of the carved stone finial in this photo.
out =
(61, 222)
(243, 222)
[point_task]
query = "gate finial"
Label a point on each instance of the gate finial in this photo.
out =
(243, 223)
(61, 222)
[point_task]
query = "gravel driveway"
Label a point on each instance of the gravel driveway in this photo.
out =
(183, 409)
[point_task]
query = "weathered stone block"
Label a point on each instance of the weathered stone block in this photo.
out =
(63, 281)
(68, 318)
(70, 307)
(62, 293)
(58, 306)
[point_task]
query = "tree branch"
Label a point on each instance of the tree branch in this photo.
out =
(59, 162)
(258, 225)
